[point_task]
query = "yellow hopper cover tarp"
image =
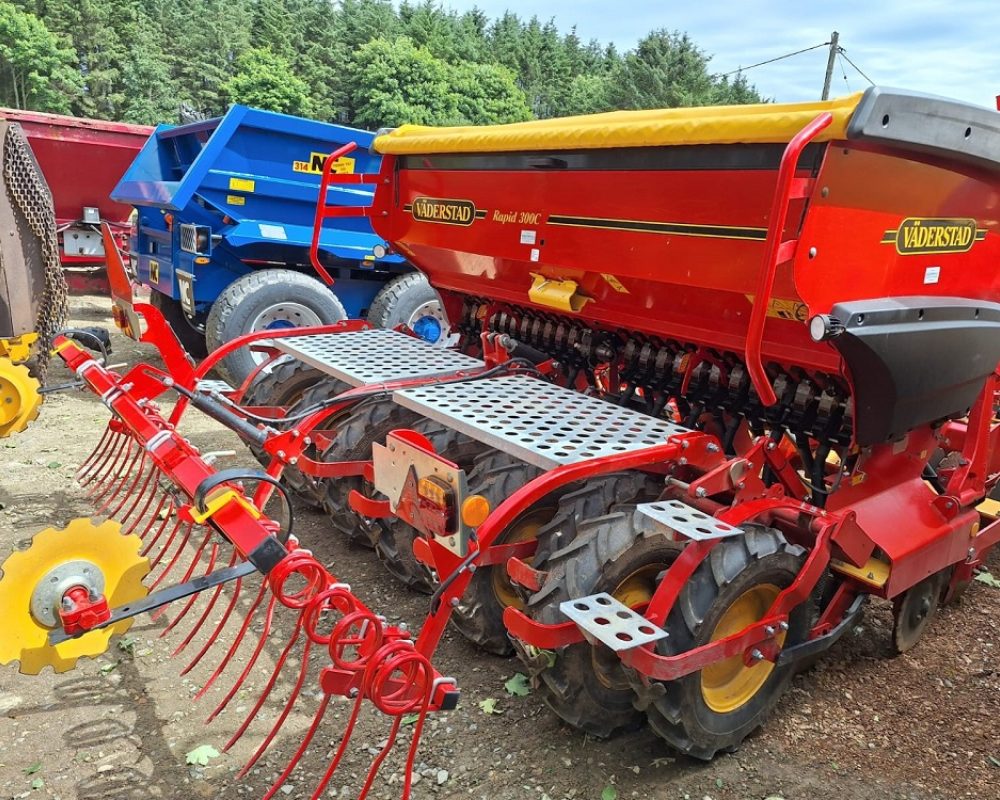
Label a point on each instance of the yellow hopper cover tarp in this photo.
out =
(769, 122)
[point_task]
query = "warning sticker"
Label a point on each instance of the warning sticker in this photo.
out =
(785, 309)
(614, 283)
(236, 200)
(241, 185)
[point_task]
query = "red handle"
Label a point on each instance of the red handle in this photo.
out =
(772, 257)
(324, 211)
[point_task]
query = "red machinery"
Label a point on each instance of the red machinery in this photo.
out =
(722, 375)
(82, 160)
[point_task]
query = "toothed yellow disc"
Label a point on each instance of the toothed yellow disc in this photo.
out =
(19, 397)
(24, 638)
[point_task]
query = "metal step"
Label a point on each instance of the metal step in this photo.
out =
(611, 622)
(540, 423)
(374, 356)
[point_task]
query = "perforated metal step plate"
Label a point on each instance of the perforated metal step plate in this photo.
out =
(374, 356)
(207, 386)
(611, 622)
(538, 422)
(687, 520)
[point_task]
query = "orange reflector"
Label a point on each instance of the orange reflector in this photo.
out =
(202, 260)
(475, 510)
(434, 491)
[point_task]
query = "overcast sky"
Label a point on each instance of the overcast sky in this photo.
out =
(951, 48)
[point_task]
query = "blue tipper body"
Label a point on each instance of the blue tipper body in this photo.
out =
(250, 181)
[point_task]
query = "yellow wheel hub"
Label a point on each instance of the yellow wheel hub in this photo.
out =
(19, 397)
(104, 551)
(524, 529)
(731, 684)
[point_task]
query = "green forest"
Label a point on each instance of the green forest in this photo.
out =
(369, 63)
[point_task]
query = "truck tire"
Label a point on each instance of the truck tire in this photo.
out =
(190, 337)
(262, 300)
(411, 301)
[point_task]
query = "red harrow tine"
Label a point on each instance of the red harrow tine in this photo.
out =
(206, 612)
(119, 469)
(86, 470)
(188, 527)
(188, 572)
(219, 627)
(236, 642)
(125, 488)
(265, 632)
(130, 522)
(193, 598)
(163, 525)
(135, 493)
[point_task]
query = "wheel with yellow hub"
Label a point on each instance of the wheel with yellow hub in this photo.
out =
(717, 708)
(595, 543)
(96, 557)
(19, 397)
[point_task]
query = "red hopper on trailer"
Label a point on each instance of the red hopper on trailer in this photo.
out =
(82, 160)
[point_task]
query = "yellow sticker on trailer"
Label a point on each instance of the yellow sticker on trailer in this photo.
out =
(241, 185)
(236, 200)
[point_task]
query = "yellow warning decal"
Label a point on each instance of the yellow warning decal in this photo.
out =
(236, 200)
(614, 283)
(241, 185)
(154, 271)
(314, 166)
(785, 309)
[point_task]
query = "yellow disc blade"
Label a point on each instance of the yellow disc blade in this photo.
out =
(23, 638)
(19, 397)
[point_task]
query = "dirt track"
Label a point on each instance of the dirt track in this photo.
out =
(860, 725)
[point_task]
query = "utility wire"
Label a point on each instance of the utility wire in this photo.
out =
(779, 58)
(843, 53)
(840, 61)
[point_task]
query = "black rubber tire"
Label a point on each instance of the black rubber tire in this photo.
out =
(394, 544)
(291, 383)
(479, 613)
(370, 421)
(191, 338)
(599, 551)
(399, 298)
(676, 710)
(234, 310)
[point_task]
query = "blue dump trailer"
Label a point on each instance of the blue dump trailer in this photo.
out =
(225, 210)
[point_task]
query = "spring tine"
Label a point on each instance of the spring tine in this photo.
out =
(220, 626)
(236, 642)
(102, 463)
(204, 614)
(268, 619)
(297, 756)
(136, 491)
(377, 763)
(130, 522)
(110, 478)
(193, 598)
(136, 469)
(187, 573)
(88, 464)
(269, 687)
(335, 761)
(180, 549)
(292, 699)
(152, 522)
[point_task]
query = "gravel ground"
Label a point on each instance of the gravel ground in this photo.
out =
(858, 725)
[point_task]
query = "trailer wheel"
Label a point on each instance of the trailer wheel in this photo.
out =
(588, 549)
(365, 424)
(191, 339)
(411, 301)
(479, 613)
(718, 707)
(294, 385)
(268, 299)
(394, 544)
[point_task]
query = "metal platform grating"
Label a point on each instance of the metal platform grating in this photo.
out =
(542, 424)
(687, 520)
(374, 356)
(207, 386)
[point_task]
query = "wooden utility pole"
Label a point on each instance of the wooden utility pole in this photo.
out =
(834, 39)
